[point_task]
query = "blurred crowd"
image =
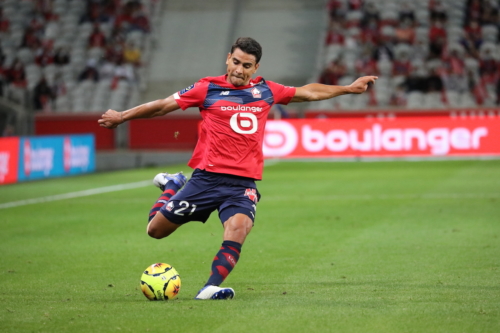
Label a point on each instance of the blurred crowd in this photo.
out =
(431, 53)
(49, 48)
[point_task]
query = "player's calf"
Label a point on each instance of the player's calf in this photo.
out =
(169, 184)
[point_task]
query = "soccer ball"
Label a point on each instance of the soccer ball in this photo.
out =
(160, 282)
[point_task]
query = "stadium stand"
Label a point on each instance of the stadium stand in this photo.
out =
(427, 54)
(75, 55)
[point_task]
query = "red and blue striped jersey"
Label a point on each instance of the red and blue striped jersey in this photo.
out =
(234, 119)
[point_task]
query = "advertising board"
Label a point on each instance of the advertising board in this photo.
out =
(55, 156)
(371, 137)
(9, 155)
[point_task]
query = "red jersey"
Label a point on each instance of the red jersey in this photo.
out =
(234, 119)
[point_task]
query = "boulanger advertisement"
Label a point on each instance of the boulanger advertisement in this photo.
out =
(370, 137)
(29, 158)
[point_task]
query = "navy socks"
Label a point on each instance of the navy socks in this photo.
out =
(224, 262)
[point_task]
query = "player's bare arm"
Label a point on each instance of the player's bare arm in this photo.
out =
(317, 91)
(112, 118)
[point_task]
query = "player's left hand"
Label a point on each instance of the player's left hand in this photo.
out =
(360, 85)
(110, 119)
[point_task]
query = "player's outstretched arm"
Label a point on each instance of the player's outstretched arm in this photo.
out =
(112, 118)
(317, 91)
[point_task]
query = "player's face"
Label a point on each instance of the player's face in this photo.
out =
(240, 67)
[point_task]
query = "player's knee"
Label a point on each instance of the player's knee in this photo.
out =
(238, 225)
(155, 232)
(243, 228)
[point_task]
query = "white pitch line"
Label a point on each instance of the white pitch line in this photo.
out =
(143, 183)
(78, 194)
(427, 196)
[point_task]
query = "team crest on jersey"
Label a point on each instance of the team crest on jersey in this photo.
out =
(256, 93)
(251, 193)
(186, 89)
(170, 206)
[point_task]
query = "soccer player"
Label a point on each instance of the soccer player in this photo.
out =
(228, 157)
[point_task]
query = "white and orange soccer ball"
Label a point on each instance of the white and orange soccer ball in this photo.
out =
(160, 282)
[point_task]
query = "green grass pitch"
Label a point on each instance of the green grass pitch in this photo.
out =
(336, 247)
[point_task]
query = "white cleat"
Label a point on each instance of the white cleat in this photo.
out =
(214, 292)
(163, 178)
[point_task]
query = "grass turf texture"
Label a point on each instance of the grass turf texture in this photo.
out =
(337, 247)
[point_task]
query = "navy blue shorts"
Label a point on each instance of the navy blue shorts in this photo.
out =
(208, 191)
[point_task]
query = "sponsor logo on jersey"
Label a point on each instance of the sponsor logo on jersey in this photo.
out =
(251, 193)
(225, 93)
(244, 123)
(241, 108)
(186, 89)
(256, 93)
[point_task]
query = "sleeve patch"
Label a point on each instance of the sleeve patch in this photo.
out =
(183, 91)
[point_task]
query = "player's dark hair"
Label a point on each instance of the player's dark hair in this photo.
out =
(248, 45)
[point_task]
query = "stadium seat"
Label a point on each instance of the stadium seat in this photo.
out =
(455, 34)
(489, 33)
(432, 100)
(50, 72)
(136, 37)
(485, 48)
(383, 98)
(25, 55)
(385, 67)
(422, 33)
(360, 102)
(52, 30)
(415, 100)
(95, 53)
(323, 105)
(422, 17)
(33, 75)
(467, 100)
(16, 37)
(434, 64)
(62, 104)
(333, 52)
(84, 30)
(344, 102)
(453, 98)
(472, 65)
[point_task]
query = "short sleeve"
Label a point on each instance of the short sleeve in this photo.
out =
(192, 96)
(282, 94)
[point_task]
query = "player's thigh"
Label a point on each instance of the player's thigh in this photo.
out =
(239, 200)
(195, 202)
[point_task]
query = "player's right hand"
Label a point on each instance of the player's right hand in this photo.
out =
(110, 119)
(361, 84)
